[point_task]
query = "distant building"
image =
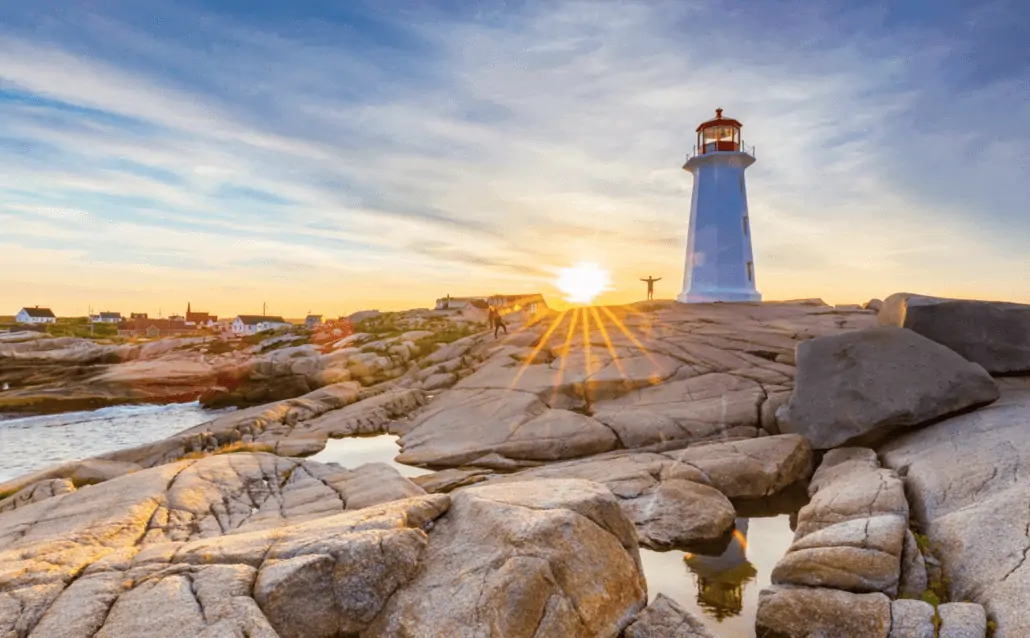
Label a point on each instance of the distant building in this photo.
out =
(137, 315)
(199, 318)
(253, 324)
(312, 321)
(461, 303)
(36, 315)
(107, 317)
(153, 328)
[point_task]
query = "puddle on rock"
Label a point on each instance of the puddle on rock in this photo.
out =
(722, 590)
(350, 452)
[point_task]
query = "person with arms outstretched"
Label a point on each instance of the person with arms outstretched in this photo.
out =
(650, 286)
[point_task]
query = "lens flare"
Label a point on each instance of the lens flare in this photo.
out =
(583, 282)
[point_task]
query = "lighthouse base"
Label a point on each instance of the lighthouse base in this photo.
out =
(711, 296)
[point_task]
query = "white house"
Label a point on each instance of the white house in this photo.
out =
(459, 303)
(107, 317)
(253, 324)
(313, 321)
(36, 315)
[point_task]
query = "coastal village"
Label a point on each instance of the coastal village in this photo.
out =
(137, 325)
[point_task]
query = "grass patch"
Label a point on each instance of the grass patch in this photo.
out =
(426, 345)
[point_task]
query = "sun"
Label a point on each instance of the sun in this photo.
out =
(583, 282)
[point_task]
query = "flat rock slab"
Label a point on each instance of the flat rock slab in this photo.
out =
(462, 426)
(803, 612)
(541, 558)
(967, 478)
(665, 618)
(994, 334)
(861, 387)
(700, 408)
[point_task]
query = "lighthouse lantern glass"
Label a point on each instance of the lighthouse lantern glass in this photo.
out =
(720, 138)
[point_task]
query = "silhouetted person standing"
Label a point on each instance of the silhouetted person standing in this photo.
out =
(498, 323)
(650, 286)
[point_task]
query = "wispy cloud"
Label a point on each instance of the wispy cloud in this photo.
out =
(389, 153)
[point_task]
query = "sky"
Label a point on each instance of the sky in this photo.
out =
(338, 156)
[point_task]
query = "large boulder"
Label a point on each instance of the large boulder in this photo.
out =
(540, 558)
(994, 334)
(860, 388)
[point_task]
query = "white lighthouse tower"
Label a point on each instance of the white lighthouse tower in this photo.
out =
(720, 265)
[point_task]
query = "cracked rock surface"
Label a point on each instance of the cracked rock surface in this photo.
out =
(594, 380)
(969, 482)
(257, 545)
(851, 535)
(682, 496)
(540, 558)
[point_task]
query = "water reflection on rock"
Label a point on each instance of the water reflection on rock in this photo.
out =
(720, 584)
(720, 580)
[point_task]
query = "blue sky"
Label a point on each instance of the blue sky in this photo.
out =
(333, 156)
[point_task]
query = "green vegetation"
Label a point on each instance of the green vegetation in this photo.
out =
(450, 334)
(936, 593)
(383, 326)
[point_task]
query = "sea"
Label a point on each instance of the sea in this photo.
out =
(722, 590)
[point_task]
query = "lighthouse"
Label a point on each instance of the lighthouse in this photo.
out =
(720, 265)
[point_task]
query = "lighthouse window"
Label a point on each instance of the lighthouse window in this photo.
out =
(741, 184)
(750, 271)
(745, 225)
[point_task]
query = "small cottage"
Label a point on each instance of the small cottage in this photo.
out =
(36, 315)
(253, 324)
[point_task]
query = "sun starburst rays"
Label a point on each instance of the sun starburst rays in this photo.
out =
(579, 325)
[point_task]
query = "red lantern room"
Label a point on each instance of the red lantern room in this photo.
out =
(718, 134)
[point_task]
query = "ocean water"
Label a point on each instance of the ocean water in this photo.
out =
(31, 443)
(354, 451)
